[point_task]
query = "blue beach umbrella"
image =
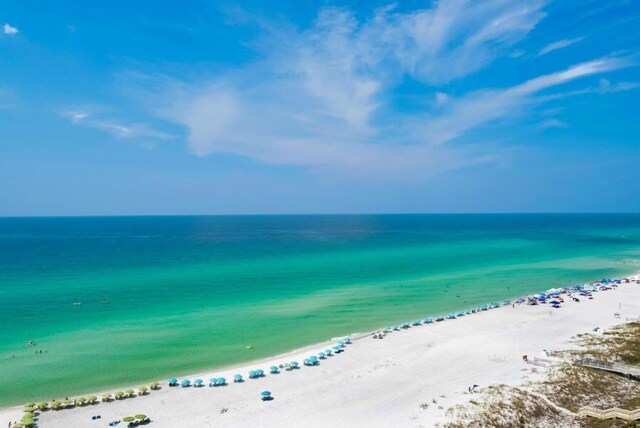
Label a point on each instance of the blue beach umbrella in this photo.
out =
(237, 378)
(347, 339)
(314, 360)
(265, 395)
(328, 352)
(320, 355)
(259, 372)
(186, 383)
(198, 382)
(172, 381)
(459, 314)
(252, 374)
(294, 364)
(273, 369)
(221, 381)
(212, 381)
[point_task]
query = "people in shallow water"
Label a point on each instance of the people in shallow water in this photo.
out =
(31, 342)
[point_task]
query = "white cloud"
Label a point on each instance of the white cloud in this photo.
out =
(553, 123)
(8, 29)
(560, 44)
(482, 107)
(323, 98)
(115, 128)
(441, 98)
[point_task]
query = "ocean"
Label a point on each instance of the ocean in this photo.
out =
(113, 301)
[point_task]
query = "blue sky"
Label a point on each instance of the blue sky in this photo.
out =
(206, 107)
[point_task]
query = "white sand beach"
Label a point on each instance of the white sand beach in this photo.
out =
(374, 383)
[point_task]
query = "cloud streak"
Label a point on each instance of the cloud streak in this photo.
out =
(115, 128)
(560, 44)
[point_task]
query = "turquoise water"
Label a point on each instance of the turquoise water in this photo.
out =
(163, 296)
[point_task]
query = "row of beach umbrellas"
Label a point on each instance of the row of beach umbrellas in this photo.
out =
(312, 360)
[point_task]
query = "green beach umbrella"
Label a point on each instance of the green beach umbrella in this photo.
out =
(155, 385)
(128, 419)
(106, 397)
(81, 400)
(92, 399)
(56, 405)
(30, 405)
(28, 415)
(129, 392)
(142, 390)
(118, 395)
(29, 409)
(67, 402)
(27, 421)
(141, 417)
(43, 405)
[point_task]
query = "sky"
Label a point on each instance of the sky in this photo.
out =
(254, 107)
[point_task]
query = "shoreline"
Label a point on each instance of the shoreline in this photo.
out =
(10, 413)
(257, 361)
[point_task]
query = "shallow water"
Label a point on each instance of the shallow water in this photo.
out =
(163, 296)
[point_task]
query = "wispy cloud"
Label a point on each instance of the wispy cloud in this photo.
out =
(553, 123)
(10, 30)
(114, 127)
(560, 44)
(324, 97)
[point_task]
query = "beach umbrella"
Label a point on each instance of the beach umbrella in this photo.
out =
(198, 382)
(29, 409)
(44, 405)
(294, 364)
(129, 392)
(128, 419)
(314, 360)
(154, 385)
(92, 399)
(273, 369)
(142, 390)
(172, 381)
(347, 339)
(186, 383)
(265, 395)
(221, 381)
(237, 378)
(27, 421)
(306, 362)
(336, 348)
(81, 400)
(141, 417)
(259, 372)
(252, 374)
(67, 402)
(106, 397)
(328, 351)
(30, 404)
(321, 354)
